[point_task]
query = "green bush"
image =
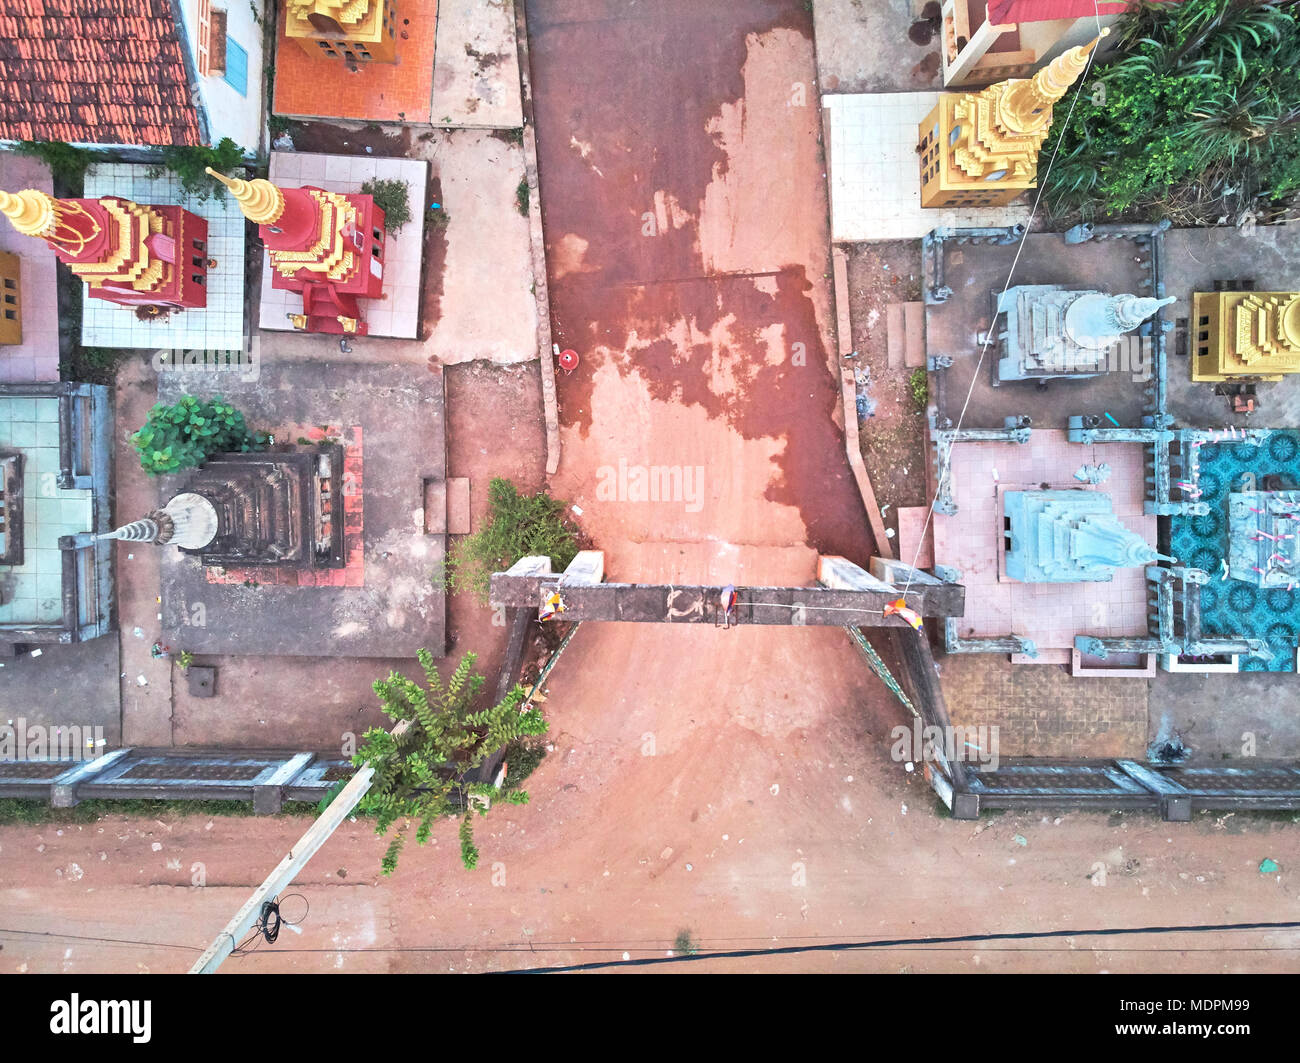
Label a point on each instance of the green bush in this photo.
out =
(918, 386)
(521, 197)
(1199, 103)
(393, 197)
(189, 164)
(517, 526)
(423, 773)
(184, 436)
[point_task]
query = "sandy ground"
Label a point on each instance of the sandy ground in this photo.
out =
(749, 813)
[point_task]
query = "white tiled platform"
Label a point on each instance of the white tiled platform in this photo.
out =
(217, 327)
(397, 313)
(875, 178)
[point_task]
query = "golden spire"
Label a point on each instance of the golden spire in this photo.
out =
(261, 202)
(1026, 106)
(32, 212)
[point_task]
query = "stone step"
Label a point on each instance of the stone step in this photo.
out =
(458, 513)
(895, 337)
(914, 327)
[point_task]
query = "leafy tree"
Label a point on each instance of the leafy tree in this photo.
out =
(517, 526)
(185, 435)
(423, 772)
(1199, 102)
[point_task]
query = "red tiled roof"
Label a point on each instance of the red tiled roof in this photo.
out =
(84, 71)
(1006, 12)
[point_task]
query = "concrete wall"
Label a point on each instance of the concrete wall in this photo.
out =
(230, 113)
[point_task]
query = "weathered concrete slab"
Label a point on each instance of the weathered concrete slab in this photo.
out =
(768, 606)
(476, 65)
(396, 609)
(974, 272)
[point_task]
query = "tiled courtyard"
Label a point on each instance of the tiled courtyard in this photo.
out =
(1050, 614)
(1046, 712)
(33, 591)
(217, 327)
(875, 179)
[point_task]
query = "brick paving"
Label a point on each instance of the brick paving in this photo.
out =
(1043, 711)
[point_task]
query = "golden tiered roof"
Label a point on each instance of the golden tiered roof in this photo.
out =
(1004, 126)
(360, 20)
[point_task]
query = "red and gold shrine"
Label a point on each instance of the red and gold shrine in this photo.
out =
(127, 253)
(327, 246)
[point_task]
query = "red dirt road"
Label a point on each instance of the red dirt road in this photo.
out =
(685, 216)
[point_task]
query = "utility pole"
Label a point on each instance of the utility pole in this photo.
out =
(285, 872)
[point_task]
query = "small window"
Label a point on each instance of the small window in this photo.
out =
(9, 283)
(196, 260)
(378, 235)
(236, 75)
(375, 250)
(198, 245)
(1203, 336)
(197, 278)
(11, 315)
(1204, 320)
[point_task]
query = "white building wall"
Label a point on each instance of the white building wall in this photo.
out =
(232, 114)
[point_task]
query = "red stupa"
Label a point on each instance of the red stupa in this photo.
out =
(127, 253)
(327, 246)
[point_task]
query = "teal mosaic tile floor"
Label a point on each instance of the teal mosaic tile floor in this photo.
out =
(1232, 607)
(33, 591)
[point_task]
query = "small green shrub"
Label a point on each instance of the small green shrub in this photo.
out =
(393, 197)
(517, 526)
(684, 944)
(521, 197)
(918, 387)
(184, 436)
(189, 164)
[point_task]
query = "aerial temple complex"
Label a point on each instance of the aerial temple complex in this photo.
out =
(127, 253)
(1246, 335)
(980, 149)
(326, 246)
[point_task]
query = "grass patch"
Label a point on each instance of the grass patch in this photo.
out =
(14, 810)
(522, 197)
(517, 526)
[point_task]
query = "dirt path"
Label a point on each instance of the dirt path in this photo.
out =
(693, 284)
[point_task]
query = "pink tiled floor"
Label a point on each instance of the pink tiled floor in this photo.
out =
(37, 357)
(1049, 613)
